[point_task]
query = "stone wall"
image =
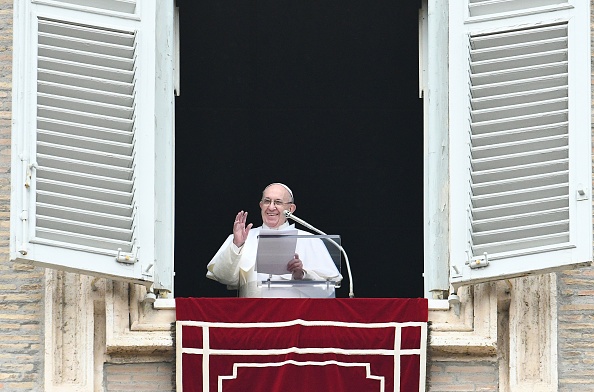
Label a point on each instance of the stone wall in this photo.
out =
(462, 374)
(21, 289)
(140, 377)
(576, 330)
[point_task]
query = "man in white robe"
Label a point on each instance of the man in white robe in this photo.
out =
(235, 262)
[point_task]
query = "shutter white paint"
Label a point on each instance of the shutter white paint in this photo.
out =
(520, 140)
(92, 177)
(120, 6)
(491, 7)
(85, 137)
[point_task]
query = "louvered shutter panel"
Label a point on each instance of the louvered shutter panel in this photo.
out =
(84, 139)
(519, 171)
(85, 136)
(520, 142)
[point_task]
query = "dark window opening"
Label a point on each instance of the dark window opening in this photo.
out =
(320, 95)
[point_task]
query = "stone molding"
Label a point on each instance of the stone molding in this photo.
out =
(90, 321)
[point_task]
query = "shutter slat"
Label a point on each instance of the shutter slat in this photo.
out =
(517, 183)
(525, 219)
(84, 167)
(520, 244)
(82, 228)
(520, 159)
(519, 63)
(79, 241)
(513, 111)
(493, 175)
(48, 125)
(507, 51)
(82, 179)
(79, 105)
(521, 146)
(81, 69)
(57, 188)
(519, 232)
(519, 85)
(84, 50)
(102, 86)
(85, 119)
(89, 59)
(124, 6)
(87, 155)
(518, 135)
(522, 37)
(491, 7)
(85, 94)
(520, 73)
(509, 124)
(520, 196)
(519, 98)
(510, 209)
(107, 36)
(72, 214)
(86, 204)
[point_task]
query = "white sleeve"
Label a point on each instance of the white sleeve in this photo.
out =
(224, 266)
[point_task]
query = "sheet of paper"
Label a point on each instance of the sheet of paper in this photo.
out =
(275, 249)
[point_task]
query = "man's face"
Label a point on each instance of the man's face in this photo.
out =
(275, 200)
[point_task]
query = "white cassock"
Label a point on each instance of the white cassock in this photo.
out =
(235, 267)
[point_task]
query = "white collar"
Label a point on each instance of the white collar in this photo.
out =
(284, 226)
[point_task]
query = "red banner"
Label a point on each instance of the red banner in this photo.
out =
(290, 344)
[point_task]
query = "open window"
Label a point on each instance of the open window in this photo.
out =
(92, 138)
(518, 140)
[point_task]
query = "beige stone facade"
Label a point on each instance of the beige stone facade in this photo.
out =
(66, 332)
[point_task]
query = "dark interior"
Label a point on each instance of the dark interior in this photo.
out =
(321, 95)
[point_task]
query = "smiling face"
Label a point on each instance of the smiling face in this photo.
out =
(275, 199)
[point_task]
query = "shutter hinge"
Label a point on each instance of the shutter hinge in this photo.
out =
(127, 258)
(478, 261)
(26, 170)
(24, 217)
(29, 174)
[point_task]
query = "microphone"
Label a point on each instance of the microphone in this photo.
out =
(288, 214)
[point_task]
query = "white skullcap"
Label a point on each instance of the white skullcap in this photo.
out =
(284, 186)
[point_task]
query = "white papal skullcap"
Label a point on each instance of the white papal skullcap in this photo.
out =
(284, 186)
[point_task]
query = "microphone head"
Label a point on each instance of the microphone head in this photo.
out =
(287, 213)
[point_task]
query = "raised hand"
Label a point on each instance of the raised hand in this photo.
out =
(240, 230)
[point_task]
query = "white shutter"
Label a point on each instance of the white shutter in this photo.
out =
(520, 140)
(84, 139)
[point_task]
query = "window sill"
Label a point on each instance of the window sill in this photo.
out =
(169, 304)
(164, 304)
(439, 304)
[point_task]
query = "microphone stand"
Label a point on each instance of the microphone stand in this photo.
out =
(290, 215)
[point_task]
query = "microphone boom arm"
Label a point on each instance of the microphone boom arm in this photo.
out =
(290, 215)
